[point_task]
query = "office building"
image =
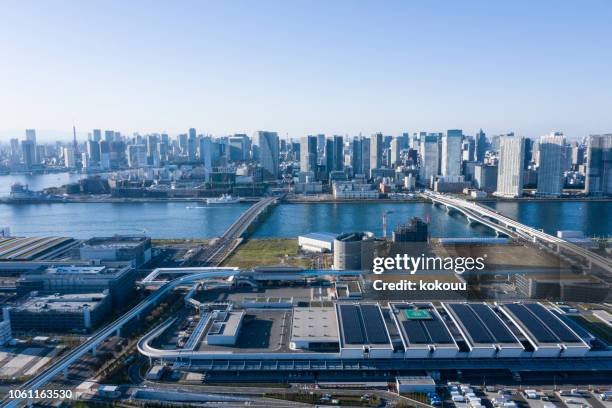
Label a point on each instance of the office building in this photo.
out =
(69, 157)
(550, 171)
(480, 146)
(451, 153)
(376, 151)
(395, 151)
(599, 165)
(510, 167)
(266, 147)
(308, 154)
(337, 163)
(485, 178)
(137, 156)
(96, 135)
(360, 156)
(429, 158)
(28, 153)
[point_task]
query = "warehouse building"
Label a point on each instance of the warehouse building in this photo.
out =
(484, 331)
(317, 242)
(549, 336)
(119, 281)
(314, 328)
(35, 248)
(57, 313)
(129, 249)
(363, 333)
(423, 331)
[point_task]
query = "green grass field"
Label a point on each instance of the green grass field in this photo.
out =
(266, 252)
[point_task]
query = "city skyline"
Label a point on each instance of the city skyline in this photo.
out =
(367, 68)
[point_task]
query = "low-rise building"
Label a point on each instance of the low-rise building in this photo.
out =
(73, 312)
(133, 249)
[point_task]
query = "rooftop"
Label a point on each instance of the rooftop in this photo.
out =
(317, 324)
(62, 303)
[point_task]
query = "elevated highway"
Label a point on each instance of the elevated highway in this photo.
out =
(500, 223)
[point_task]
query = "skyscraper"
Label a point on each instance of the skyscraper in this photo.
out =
(191, 145)
(510, 168)
(206, 153)
(360, 156)
(267, 150)
(376, 151)
(480, 145)
(308, 154)
(97, 135)
(109, 136)
(338, 153)
(395, 150)
(93, 152)
(550, 171)
(599, 165)
(451, 153)
(429, 158)
(28, 153)
(31, 137)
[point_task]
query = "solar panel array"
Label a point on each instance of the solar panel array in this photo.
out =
(374, 325)
(363, 324)
(542, 325)
(553, 323)
(430, 331)
(482, 324)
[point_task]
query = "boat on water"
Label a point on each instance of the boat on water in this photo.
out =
(223, 199)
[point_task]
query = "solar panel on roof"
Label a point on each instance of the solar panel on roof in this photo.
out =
(495, 325)
(438, 333)
(554, 324)
(541, 333)
(374, 325)
(414, 332)
(351, 324)
(472, 324)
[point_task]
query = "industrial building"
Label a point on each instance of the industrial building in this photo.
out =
(549, 336)
(317, 242)
(133, 249)
(119, 281)
(314, 328)
(35, 248)
(354, 251)
(73, 312)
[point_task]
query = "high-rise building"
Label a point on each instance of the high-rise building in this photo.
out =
(206, 153)
(376, 151)
(338, 153)
(69, 157)
(510, 167)
(96, 135)
(550, 171)
(395, 151)
(577, 154)
(28, 153)
(93, 153)
(360, 156)
(308, 154)
(105, 156)
(109, 136)
(480, 146)
(153, 155)
(266, 146)
(137, 156)
(31, 135)
(485, 177)
(429, 158)
(15, 151)
(451, 153)
(191, 145)
(599, 165)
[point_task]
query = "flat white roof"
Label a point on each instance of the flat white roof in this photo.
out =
(314, 324)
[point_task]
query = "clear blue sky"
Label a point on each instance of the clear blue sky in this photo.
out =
(304, 67)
